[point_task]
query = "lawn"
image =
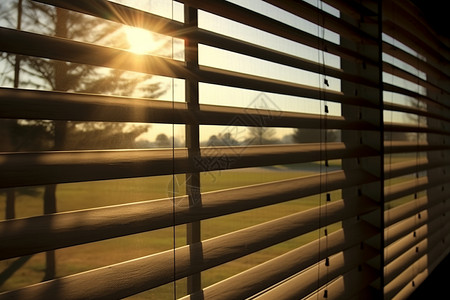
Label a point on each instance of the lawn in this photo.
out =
(75, 196)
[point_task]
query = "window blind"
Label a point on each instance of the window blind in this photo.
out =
(221, 149)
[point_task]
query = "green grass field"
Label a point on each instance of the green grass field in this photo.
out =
(77, 196)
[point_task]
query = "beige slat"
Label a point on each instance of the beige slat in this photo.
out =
(317, 16)
(271, 272)
(422, 128)
(412, 207)
(409, 187)
(25, 169)
(121, 13)
(408, 225)
(78, 52)
(63, 49)
(412, 78)
(421, 264)
(18, 237)
(403, 244)
(391, 147)
(352, 8)
(420, 278)
(403, 91)
(241, 80)
(434, 75)
(409, 256)
(348, 285)
(401, 27)
(50, 105)
(37, 168)
(407, 167)
(235, 45)
(113, 11)
(396, 191)
(307, 281)
(131, 277)
(431, 112)
(255, 20)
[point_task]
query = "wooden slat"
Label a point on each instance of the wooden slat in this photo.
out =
(121, 14)
(434, 75)
(18, 237)
(84, 53)
(243, 47)
(414, 94)
(409, 187)
(265, 23)
(348, 285)
(352, 8)
(406, 292)
(246, 81)
(24, 169)
(431, 112)
(408, 225)
(263, 276)
(403, 91)
(113, 11)
(325, 20)
(422, 263)
(31, 44)
(38, 168)
(137, 275)
(307, 281)
(392, 170)
(50, 105)
(412, 207)
(391, 147)
(396, 249)
(412, 78)
(401, 27)
(402, 127)
(409, 256)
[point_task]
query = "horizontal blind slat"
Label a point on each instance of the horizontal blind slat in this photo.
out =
(32, 44)
(25, 169)
(147, 272)
(248, 17)
(120, 13)
(307, 281)
(258, 278)
(60, 230)
(51, 105)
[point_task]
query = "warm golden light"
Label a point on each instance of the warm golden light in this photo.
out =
(140, 40)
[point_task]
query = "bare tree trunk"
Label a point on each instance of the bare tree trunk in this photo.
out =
(49, 208)
(10, 211)
(10, 204)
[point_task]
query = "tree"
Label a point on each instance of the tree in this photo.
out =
(310, 135)
(69, 77)
(72, 77)
(398, 136)
(261, 136)
(163, 141)
(225, 139)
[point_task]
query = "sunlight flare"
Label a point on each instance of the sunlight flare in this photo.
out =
(141, 41)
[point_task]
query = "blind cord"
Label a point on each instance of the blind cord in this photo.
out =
(173, 172)
(322, 141)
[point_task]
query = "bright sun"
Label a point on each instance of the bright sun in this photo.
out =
(141, 41)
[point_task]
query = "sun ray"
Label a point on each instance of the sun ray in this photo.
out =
(140, 41)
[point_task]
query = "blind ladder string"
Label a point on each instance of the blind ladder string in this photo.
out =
(323, 139)
(173, 169)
